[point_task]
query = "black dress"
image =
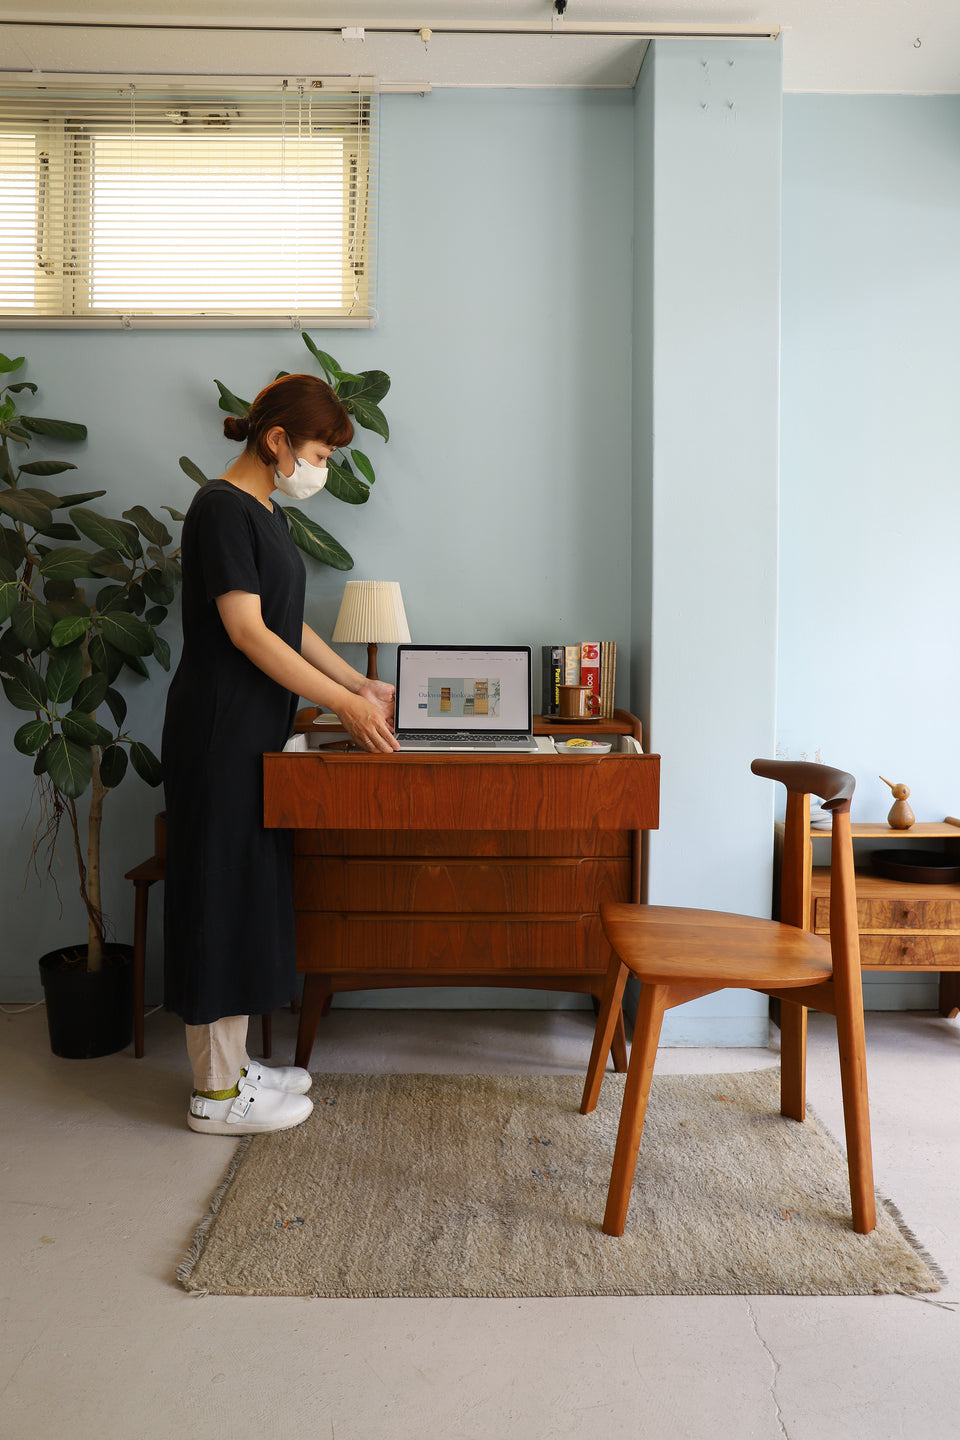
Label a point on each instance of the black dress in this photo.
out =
(228, 906)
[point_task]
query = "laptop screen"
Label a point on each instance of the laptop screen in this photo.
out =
(464, 687)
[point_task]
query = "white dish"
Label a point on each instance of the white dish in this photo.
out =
(593, 747)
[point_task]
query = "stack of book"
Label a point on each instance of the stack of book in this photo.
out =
(593, 663)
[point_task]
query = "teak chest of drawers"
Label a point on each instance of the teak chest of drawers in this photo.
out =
(902, 925)
(416, 869)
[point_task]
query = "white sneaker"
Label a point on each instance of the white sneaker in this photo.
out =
(253, 1112)
(289, 1078)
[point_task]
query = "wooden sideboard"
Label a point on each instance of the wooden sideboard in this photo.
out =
(903, 925)
(417, 869)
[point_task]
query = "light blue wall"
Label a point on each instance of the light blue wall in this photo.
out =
(708, 472)
(502, 504)
(870, 538)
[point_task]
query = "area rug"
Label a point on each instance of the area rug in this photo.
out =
(493, 1185)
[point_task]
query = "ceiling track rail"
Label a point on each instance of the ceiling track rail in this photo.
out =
(554, 29)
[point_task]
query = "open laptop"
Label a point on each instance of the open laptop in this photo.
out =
(464, 697)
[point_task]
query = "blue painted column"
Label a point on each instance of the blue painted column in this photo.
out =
(705, 484)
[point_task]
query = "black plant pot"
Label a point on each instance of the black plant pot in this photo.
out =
(88, 1014)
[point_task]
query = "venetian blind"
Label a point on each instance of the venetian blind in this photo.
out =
(145, 203)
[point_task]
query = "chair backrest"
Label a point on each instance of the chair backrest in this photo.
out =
(835, 790)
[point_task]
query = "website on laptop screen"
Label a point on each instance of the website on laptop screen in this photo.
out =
(470, 689)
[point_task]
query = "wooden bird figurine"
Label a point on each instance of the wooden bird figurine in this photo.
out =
(901, 817)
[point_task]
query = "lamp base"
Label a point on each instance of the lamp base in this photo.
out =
(372, 663)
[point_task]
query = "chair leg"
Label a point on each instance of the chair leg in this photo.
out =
(856, 1111)
(643, 1054)
(611, 1007)
(142, 896)
(793, 1060)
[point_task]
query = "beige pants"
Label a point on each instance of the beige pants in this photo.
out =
(218, 1052)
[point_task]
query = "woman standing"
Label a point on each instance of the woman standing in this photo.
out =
(247, 656)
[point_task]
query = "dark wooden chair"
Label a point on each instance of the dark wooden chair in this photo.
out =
(147, 873)
(679, 955)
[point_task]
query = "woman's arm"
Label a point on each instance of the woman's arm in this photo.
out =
(363, 719)
(320, 655)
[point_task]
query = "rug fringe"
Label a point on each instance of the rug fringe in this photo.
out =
(186, 1267)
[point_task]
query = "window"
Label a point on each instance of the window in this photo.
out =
(139, 205)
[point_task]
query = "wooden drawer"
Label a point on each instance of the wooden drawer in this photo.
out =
(484, 844)
(905, 914)
(908, 951)
(550, 943)
(329, 882)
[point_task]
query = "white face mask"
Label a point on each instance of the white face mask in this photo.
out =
(305, 481)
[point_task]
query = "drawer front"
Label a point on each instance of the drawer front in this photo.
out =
(905, 950)
(485, 844)
(417, 886)
(895, 915)
(551, 944)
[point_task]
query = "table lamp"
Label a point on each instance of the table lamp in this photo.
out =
(371, 614)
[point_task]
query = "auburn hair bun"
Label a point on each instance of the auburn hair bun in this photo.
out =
(236, 427)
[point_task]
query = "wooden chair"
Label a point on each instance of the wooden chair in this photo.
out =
(679, 955)
(147, 873)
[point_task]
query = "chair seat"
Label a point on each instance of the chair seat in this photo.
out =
(665, 946)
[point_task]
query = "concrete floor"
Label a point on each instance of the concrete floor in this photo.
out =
(102, 1184)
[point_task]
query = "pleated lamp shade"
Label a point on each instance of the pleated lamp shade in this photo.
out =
(371, 614)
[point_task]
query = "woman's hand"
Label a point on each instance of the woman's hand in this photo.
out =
(380, 693)
(366, 723)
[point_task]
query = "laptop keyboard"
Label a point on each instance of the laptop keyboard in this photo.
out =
(462, 737)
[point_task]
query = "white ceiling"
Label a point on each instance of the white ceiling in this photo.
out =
(853, 46)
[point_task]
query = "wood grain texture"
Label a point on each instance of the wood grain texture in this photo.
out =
(481, 844)
(442, 943)
(303, 791)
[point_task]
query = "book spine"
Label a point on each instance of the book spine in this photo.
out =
(590, 672)
(608, 678)
(552, 679)
(571, 664)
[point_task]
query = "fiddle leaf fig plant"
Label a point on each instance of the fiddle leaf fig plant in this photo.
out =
(81, 598)
(350, 472)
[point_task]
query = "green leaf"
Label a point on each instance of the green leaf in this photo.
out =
(67, 562)
(109, 562)
(137, 599)
(157, 589)
(32, 623)
(113, 766)
(12, 547)
(30, 737)
(230, 402)
(79, 499)
(40, 760)
(69, 629)
(111, 534)
(194, 472)
(9, 595)
(60, 592)
(23, 385)
(316, 541)
(105, 658)
(342, 484)
(80, 727)
(162, 651)
(363, 465)
(370, 386)
(137, 665)
(113, 597)
(46, 467)
(327, 361)
(25, 506)
(59, 429)
(69, 765)
(90, 693)
(7, 366)
(10, 651)
(145, 763)
(126, 633)
(156, 615)
(118, 707)
(150, 528)
(24, 687)
(176, 514)
(59, 531)
(64, 674)
(369, 415)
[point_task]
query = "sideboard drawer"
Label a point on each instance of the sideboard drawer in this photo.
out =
(909, 951)
(444, 945)
(453, 885)
(907, 914)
